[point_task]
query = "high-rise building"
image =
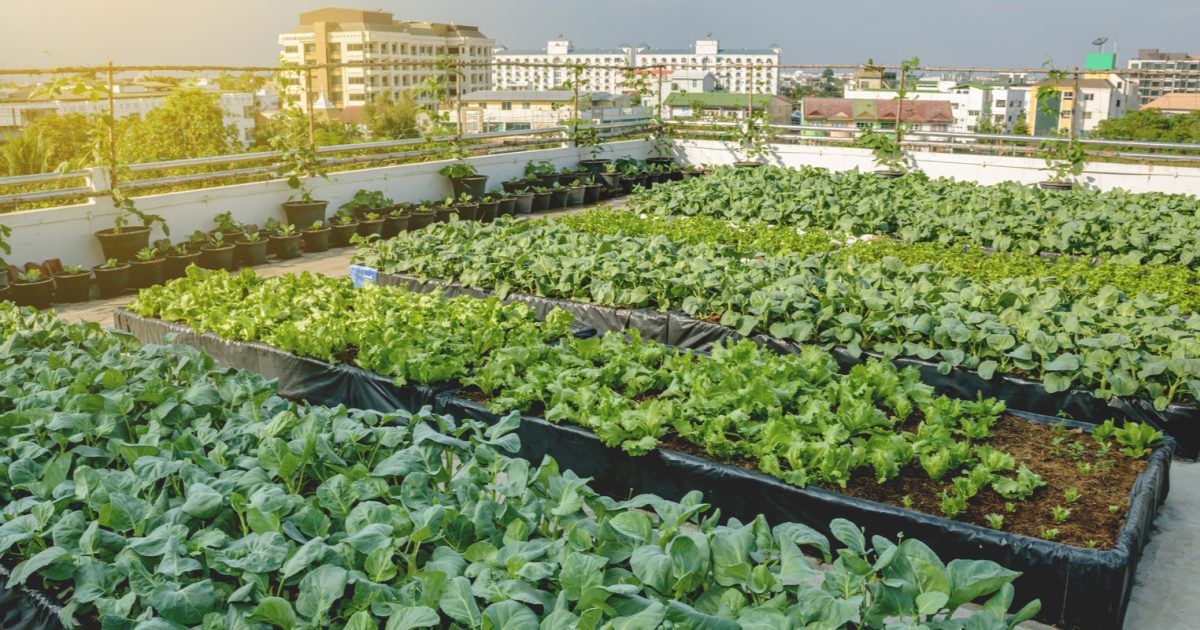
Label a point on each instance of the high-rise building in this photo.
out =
(1100, 95)
(1176, 73)
(530, 69)
(734, 70)
(343, 35)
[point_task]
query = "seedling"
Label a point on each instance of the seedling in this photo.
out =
(906, 501)
(286, 231)
(1060, 514)
(216, 240)
(225, 223)
(72, 270)
(33, 275)
(1049, 533)
(147, 254)
(1113, 509)
(344, 220)
(1091, 544)
(464, 199)
(458, 170)
(251, 237)
(995, 521)
(1071, 495)
(1010, 507)
(111, 263)
(316, 225)
(373, 216)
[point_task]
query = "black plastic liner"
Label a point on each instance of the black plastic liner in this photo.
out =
(24, 608)
(297, 377)
(681, 330)
(1078, 587)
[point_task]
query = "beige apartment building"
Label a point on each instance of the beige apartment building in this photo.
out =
(347, 35)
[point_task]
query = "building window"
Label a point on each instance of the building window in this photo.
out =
(524, 105)
(506, 106)
(354, 47)
(291, 49)
(1066, 96)
(355, 80)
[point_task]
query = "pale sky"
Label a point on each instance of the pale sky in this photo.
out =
(1007, 33)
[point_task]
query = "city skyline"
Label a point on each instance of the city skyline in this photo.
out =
(1021, 33)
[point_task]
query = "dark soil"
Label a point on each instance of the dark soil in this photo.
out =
(1031, 444)
(348, 355)
(475, 394)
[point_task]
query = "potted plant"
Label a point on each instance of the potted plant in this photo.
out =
(112, 278)
(1064, 160)
(123, 241)
(465, 180)
(558, 196)
(888, 155)
(523, 201)
(446, 210)
(575, 193)
(541, 199)
(422, 216)
(227, 226)
(316, 237)
(33, 288)
(296, 165)
(569, 175)
(753, 138)
(514, 185)
(287, 242)
(146, 269)
(506, 204)
(543, 171)
(344, 227)
(372, 224)
(179, 258)
(265, 233)
(691, 170)
(610, 175)
(630, 178)
(591, 192)
(74, 284)
(251, 249)
(396, 221)
(216, 253)
(365, 201)
(489, 207)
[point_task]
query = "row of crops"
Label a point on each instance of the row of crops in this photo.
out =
(1075, 336)
(146, 488)
(1122, 226)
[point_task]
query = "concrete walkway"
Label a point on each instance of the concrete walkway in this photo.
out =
(1165, 588)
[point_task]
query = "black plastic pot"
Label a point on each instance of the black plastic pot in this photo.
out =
(217, 258)
(341, 233)
(575, 195)
(747, 164)
(628, 184)
(145, 273)
(487, 211)
(393, 225)
(591, 193)
(35, 294)
(288, 247)
(5, 293)
(558, 198)
(542, 201)
(443, 214)
(420, 220)
(316, 240)
(566, 179)
(1049, 185)
(112, 282)
(693, 173)
(251, 253)
(512, 187)
(475, 185)
(546, 180)
(123, 245)
(72, 288)
(367, 227)
(611, 180)
(889, 174)
(593, 166)
(523, 203)
(468, 211)
(176, 266)
(300, 213)
(661, 161)
(506, 206)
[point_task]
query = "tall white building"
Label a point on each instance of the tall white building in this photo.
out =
(519, 69)
(1177, 73)
(343, 35)
(734, 70)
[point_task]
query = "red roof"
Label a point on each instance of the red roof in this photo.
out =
(864, 109)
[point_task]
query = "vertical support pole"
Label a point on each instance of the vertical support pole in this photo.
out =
(661, 130)
(750, 95)
(575, 69)
(458, 107)
(1076, 103)
(900, 105)
(308, 107)
(112, 129)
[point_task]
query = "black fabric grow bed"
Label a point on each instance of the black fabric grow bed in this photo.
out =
(26, 608)
(1078, 587)
(678, 329)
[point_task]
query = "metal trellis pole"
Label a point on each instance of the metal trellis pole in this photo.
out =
(112, 130)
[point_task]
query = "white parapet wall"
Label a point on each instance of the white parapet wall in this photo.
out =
(984, 169)
(68, 232)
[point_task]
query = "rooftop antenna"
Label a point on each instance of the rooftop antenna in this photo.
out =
(1099, 43)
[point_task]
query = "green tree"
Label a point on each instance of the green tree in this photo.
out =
(245, 82)
(392, 118)
(1151, 125)
(51, 142)
(189, 124)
